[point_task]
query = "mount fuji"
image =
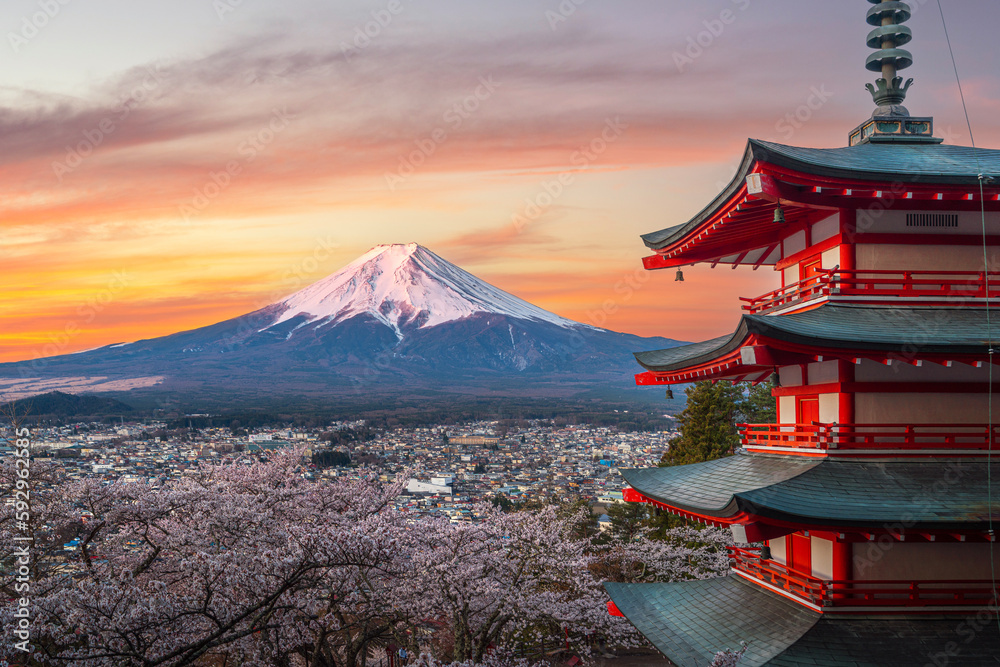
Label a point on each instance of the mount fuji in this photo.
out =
(399, 320)
(405, 287)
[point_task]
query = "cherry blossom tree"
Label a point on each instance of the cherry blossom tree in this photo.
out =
(509, 578)
(492, 659)
(682, 553)
(252, 563)
(729, 657)
(251, 560)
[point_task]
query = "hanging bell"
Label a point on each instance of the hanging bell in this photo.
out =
(679, 278)
(779, 215)
(670, 394)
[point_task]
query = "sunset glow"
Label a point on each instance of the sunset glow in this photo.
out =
(163, 168)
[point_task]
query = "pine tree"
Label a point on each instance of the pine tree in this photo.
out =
(628, 520)
(707, 424)
(758, 405)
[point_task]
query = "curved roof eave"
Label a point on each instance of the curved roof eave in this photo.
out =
(861, 328)
(664, 237)
(938, 164)
(792, 490)
(694, 354)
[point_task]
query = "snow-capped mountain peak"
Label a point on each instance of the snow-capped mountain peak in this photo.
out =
(405, 286)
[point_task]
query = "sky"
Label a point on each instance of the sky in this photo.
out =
(168, 165)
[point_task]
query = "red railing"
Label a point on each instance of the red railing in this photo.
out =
(928, 285)
(871, 436)
(864, 593)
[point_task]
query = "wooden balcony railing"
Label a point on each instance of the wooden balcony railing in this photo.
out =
(854, 437)
(930, 286)
(865, 593)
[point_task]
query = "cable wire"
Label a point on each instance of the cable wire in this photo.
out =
(989, 328)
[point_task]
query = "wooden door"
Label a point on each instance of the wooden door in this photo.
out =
(800, 558)
(807, 409)
(809, 272)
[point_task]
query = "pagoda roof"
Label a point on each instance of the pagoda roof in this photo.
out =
(915, 164)
(690, 621)
(909, 331)
(944, 495)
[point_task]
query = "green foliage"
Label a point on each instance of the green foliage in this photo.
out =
(708, 423)
(579, 519)
(661, 523)
(758, 405)
(503, 503)
(628, 520)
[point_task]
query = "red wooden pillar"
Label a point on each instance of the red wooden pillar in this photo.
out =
(848, 231)
(845, 374)
(800, 556)
(843, 569)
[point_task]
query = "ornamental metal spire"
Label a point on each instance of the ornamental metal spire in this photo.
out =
(889, 91)
(891, 121)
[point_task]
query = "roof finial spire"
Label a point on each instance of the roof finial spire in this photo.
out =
(891, 122)
(888, 35)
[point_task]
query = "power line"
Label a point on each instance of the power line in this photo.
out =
(989, 329)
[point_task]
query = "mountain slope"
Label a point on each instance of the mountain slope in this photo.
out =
(405, 286)
(399, 320)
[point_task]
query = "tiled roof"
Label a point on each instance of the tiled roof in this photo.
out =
(711, 488)
(690, 621)
(914, 163)
(689, 355)
(940, 494)
(909, 330)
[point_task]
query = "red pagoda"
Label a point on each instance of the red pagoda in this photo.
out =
(871, 500)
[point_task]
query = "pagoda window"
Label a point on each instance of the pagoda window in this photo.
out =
(915, 223)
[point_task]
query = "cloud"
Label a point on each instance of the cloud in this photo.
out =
(143, 142)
